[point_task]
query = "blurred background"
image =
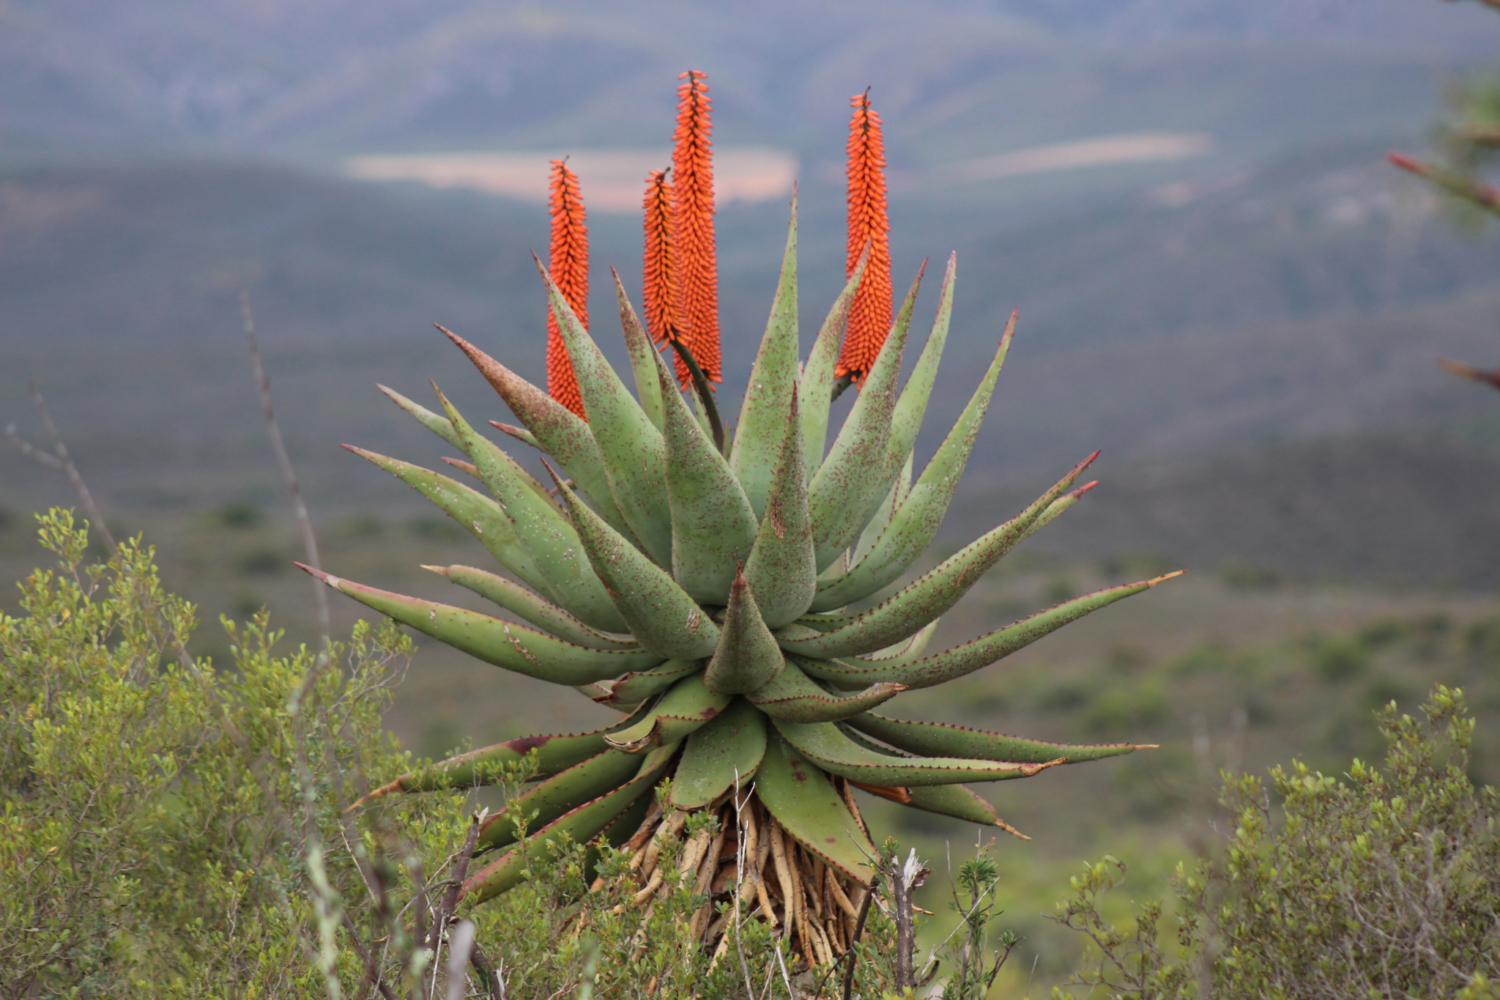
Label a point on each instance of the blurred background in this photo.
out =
(1221, 283)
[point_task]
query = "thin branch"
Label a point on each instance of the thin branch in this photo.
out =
(30, 450)
(372, 970)
(289, 476)
(859, 930)
(60, 459)
(450, 898)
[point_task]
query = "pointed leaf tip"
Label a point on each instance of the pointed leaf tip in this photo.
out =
(1166, 576)
(1083, 489)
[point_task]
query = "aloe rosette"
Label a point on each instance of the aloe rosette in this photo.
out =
(702, 589)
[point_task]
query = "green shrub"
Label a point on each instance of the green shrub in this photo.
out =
(170, 828)
(1377, 885)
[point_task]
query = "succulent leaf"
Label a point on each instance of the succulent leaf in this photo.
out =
(958, 801)
(978, 653)
(554, 754)
(660, 614)
(815, 388)
(643, 359)
(552, 427)
(563, 792)
(762, 426)
(805, 803)
(687, 706)
(540, 612)
(747, 657)
(850, 478)
(479, 515)
(634, 688)
(541, 527)
(782, 566)
(792, 695)
(915, 524)
(723, 754)
(632, 448)
(580, 825)
(434, 422)
(831, 749)
(502, 643)
(914, 607)
(713, 526)
(934, 739)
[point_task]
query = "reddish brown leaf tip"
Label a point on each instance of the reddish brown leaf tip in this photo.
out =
(1405, 163)
(1083, 489)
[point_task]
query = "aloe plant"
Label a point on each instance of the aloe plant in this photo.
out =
(701, 589)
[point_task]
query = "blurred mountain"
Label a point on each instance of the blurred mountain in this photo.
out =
(341, 76)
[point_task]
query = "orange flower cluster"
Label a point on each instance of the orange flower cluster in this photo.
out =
(871, 312)
(568, 262)
(662, 294)
(697, 269)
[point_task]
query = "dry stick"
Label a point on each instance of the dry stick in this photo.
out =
(455, 883)
(289, 476)
(60, 461)
(372, 969)
(320, 598)
(859, 929)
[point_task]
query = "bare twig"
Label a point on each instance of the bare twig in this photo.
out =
(455, 884)
(60, 459)
(859, 930)
(288, 475)
(372, 968)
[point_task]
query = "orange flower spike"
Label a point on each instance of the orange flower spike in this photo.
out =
(693, 226)
(871, 312)
(568, 262)
(663, 296)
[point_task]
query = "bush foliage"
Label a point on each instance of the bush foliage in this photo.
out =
(1376, 884)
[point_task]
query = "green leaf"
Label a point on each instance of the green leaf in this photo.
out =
(686, 707)
(927, 598)
(851, 478)
(660, 615)
(486, 765)
(747, 656)
(555, 429)
(494, 641)
(761, 431)
(634, 688)
(540, 612)
(479, 515)
(782, 566)
(815, 388)
(978, 653)
(632, 448)
(830, 748)
(958, 801)
(906, 421)
(713, 527)
(935, 739)
(434, 422)
(722, 754)
(915, 524)
(580, 825)
(806, 805)
(791, 695)
(559, 794)
(541, 527)
(642, 354)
